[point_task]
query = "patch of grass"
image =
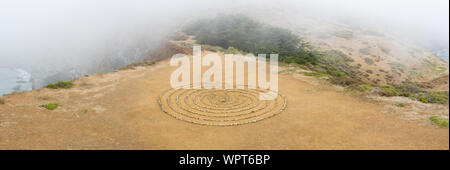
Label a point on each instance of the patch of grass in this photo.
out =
(352, 91)
(85, 111)
(439, 97)
(439, 121)
(288, 71)
(388, 91)
(423, 99)
(366, 87)
(336, 73)
(232, 50)
(358, 88)
(246, 35)
(133, 65)
(408, 89)
(2, 101)
(400, 104)
(414, 91)
(344, 81)
(50, 106)
(314, 74)
(62, 84)
(213, 48)
(432, 97)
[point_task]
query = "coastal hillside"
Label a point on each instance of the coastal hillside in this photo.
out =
(105, 75)
(120, 110)
(373, 55)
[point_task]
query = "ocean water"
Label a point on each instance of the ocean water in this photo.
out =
(40, 74)
(443, 53)
(14, 80)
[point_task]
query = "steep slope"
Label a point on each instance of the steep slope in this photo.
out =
(374, 56)
(438, 84)
(120, 111)
(380, 59)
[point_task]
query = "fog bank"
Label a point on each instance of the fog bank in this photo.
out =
(57, 40)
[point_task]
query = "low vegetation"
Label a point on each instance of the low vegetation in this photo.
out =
(432, 97)
(314, 74)
(345, 81)
(240, 33)
(235, 34)
(411, 90)
(439, 121)
(62, 84)
(358, 88)
(133, 65)
(414, 91)
(2, 101)
(50, 106)
(388, 91)
(232, 50)
(400, 104)
(366, 87)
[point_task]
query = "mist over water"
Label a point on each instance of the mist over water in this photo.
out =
(58, 40)
(14, 80)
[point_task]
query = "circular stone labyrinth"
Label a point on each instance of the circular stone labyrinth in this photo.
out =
(226, 107)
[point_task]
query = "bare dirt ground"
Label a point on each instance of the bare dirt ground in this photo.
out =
(120, 111)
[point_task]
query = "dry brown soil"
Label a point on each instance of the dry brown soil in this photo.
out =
(120, 111)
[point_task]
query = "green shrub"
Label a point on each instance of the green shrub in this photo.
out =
(408, 89)
(232, 50)
(400, 104)
(366, 87)
(314, 74)
(388, 91)
(336, 73)
(213, 48)
(432, 97)
(439, 121)
(352, 91)
(247, 35)
(50, 106)
(2, 101)
(415, 91)
(358, 88)
(423, 99)
(344, 81)
(439, 97)
(62, 84)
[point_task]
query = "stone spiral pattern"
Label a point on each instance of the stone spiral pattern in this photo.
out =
(220, 107)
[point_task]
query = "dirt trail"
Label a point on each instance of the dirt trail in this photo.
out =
(120, 111)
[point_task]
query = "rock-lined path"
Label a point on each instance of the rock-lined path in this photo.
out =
(220, 107)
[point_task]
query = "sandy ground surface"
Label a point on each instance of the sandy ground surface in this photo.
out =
(120, 111)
